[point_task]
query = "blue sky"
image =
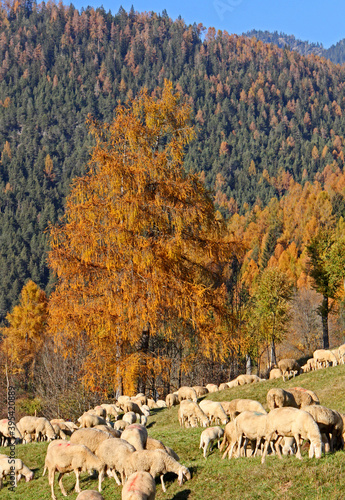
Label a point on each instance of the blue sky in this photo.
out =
(312, 20)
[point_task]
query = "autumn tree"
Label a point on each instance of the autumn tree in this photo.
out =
(272, 298)
(24, 337)
(139, 253)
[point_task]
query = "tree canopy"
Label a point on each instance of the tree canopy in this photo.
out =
(141, 252)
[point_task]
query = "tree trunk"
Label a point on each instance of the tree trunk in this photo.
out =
(143, 347)
(273, 353)
(324, 311)
(248, 365)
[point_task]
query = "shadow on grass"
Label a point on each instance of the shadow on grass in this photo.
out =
(182, 495)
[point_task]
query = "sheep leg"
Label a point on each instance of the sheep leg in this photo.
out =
(258, 442)
(277, 446)
(298, 454)
(77, 487)
(100, 479)
(267, 442)
(163, 485)
(239, 444)
(63, 491)
(224, 443)
(115, 476)
(51, 477)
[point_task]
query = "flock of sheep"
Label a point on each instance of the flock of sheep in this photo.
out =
(120, 448)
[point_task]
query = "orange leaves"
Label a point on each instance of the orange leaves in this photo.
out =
(140, 243)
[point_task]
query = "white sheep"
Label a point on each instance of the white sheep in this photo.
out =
(275, 373)
(212, 387)
(111, 411)
(113, 452)
(232, 383)
(209, 436)
(131, 406)
(156, 462)
(9, 465)
(289, 366)
(214, 411)
(89, 495)
(190, 410)
(38, 426)
(91, 438)
(136, 435)
(330, 423)
(161, 403)
(200, 390)
(68, 457)
(229, 439)
(323, 357)
(120, 425)
(341, 350)
(106, 428)
(251, 426)
(151, 403)
(9, 432)
(171, 400)
(237, 406)
(248, 379)
(90, 420)
(130, 417)
(278, 398)
(292, 422)
(122, 399)
(223, 386)
(140, 486)
(187, 393)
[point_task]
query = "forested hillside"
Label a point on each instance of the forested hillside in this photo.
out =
(260, 112)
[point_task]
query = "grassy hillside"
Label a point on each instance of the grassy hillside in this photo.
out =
(243, 478)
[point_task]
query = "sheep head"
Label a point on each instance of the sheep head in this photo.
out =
(183, 473)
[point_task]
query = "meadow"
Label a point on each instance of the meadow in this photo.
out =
(214, 478)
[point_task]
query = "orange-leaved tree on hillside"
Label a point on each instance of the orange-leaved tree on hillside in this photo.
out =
(140, 252)
(23, 338)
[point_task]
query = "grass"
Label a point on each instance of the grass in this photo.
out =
(238, 479)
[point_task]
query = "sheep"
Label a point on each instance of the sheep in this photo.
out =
(237, 406)
(65, 428)
(156, 462)
(100, 411)
(122, 399)
(314, 397)
(171, 400)
(8, 465)
(189, 409)
(214, 411)
(68, 457)
(155, 444)
(223, 386)
(130, 417)
(295, 423)
(90, 420)
(9, 432)
(161, 404)
(212, 387)
(200, 390)
(341, 350)
(336, 354)
(275, 373)
(252, 426)
(110, 411)
(229, 439)
(323, 357)
(289, 366)
(91, 438)
(60, 434)
(131, 406)
(120, 425)
(140, 486)
(151, 403)
(136, 435)
(106, 428)
(232, 383)
(89, 495)
(278, 398)
(140, 399)
(39, 426)
(146, 410)
(330, 423)
(248, 379)
(208, 436)
(113, 452)
(187, 393)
